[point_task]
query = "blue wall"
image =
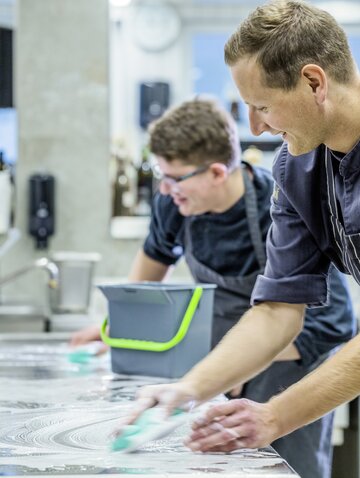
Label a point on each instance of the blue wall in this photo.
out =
(8, 134)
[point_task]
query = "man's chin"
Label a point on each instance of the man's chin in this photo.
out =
(298, 149)
(187, 210)
(184, 210)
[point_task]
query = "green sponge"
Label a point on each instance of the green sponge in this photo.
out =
(151, 425)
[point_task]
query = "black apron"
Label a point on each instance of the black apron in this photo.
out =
(309, 449)
(232, 295)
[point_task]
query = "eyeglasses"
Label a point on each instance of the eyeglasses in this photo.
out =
(170, 180)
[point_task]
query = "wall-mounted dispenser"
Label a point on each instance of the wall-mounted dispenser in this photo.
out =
(41, 208)
(154, 100)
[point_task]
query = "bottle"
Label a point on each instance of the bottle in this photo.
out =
(145, 180)
(5, 195)
(124, 186)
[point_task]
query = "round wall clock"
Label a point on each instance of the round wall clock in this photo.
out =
(156, 26)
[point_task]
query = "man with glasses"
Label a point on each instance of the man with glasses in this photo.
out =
(171, 180)
(214, 210)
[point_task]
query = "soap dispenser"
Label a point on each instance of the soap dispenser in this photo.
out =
(41, 208)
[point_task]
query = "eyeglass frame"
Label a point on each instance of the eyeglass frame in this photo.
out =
(170, 180)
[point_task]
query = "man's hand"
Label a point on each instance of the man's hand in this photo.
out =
(168, 396)
(84, 336)
(235, 424)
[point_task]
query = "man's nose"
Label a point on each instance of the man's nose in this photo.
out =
(167, 186)
(164, 188)
(257, 124)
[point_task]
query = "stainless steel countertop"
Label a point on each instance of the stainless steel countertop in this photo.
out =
(56, 418)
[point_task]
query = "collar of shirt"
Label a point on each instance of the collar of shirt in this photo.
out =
(349, 162)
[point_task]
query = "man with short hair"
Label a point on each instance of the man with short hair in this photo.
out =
(214, 211)
(292, 65)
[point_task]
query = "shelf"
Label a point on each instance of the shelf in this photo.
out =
(129, 227)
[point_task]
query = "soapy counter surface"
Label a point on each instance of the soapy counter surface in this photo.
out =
(56, 418)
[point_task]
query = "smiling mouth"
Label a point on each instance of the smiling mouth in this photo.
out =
(178, 200)
(276, 133)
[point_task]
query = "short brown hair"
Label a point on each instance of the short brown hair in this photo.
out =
(197, 132)
(285, 36)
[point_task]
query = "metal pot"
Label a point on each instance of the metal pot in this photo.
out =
(75, 281)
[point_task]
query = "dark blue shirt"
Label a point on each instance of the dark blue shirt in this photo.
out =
(301, 242)
(222, 242)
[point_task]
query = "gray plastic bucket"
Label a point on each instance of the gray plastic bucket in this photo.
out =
(153, 312)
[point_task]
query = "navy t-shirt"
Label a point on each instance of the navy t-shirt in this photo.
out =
(220, 241)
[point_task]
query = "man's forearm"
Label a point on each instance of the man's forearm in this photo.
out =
(248, 348)
(335, 382)
(144, 268)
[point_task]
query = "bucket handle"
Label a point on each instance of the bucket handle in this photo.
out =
(151, 346)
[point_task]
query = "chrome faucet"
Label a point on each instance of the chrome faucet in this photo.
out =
(42, 263)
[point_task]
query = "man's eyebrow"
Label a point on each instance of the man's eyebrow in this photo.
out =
(257, 107)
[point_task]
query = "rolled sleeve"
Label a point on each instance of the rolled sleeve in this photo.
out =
(163, 243)
(300, 289)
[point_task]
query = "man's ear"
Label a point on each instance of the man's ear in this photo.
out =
(219, 171)
(316, 79)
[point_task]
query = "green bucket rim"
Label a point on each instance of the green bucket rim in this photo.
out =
(152, 346)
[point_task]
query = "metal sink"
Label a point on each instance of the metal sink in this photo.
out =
(23, 318)
(17, 318)
(19, 339)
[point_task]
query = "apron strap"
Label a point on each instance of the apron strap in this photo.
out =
(252, 214)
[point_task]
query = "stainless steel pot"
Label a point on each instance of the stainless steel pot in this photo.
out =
(75, 281)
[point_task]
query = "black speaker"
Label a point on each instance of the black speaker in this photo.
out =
(154, 100)
(6, 68)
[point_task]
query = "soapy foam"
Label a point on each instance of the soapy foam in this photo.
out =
(56, 418)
